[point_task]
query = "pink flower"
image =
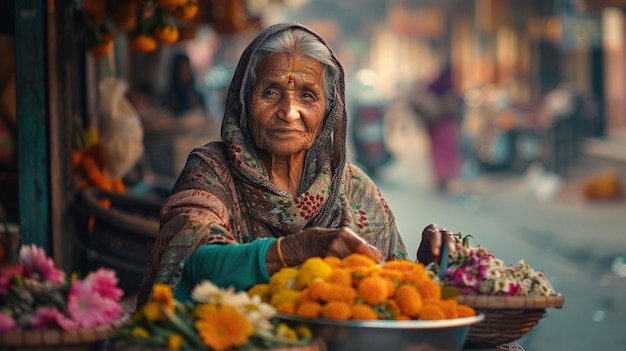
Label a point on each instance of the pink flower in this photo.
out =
(6, 274)
(104, 282)
(50, 316)
(7, 323)
(35, 261)
(88, 308)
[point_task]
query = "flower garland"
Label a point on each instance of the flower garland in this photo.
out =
(476, 270)
(36, 295)
(214, 319)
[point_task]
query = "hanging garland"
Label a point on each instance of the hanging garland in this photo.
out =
(147, 23)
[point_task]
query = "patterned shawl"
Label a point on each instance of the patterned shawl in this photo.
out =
(223, 195)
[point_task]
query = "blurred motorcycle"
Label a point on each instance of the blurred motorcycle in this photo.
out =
(368, 138)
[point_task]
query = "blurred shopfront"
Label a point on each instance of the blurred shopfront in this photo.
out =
(549, 71)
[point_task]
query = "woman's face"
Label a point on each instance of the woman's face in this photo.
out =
(287, 105)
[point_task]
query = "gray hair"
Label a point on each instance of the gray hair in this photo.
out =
(296, 41)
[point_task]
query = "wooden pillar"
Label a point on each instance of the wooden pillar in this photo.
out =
(33, 127)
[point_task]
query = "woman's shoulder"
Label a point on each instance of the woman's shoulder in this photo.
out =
(356, 180)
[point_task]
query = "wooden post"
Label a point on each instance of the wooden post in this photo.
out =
(32, 142)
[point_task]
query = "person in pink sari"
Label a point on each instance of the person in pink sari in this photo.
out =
(437, 103)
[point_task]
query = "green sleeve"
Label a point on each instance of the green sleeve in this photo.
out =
(236, 265)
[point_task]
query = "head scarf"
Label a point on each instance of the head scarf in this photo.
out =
(324, 162)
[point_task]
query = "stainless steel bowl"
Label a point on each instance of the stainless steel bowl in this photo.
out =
(385, 335)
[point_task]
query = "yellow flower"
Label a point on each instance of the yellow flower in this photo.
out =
(333, 261)
(223, 327)
(174, 342)
(140, 333)
(263, 290)
(283, 279)
(313, 268)
(336, 310)
(284, 296)
(162, 294)
(283, 331)
(304, 331)
(373, 290)
(152, 311)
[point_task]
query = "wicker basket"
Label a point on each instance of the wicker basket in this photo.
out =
(122, 235)
(507, 318)
(89, 339)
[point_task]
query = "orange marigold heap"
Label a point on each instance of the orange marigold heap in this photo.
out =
(357, 288)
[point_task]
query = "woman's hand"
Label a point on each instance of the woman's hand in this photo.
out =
(430, 246)
(320, 242)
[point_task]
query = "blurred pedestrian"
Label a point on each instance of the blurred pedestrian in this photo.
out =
(183, 94)
(437, 104)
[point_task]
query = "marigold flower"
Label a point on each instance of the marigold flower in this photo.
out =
(174, 342)
(262, 290)
(358, 273)
(363, 312)
(162, 293)
(305, 296)
(341, 276)
(358, 260)
(465, 311)
(303, 331)
(140, 333)
(284, 331)
(333, 261)
(447, 306)
(400, 265)
(431, 312)
(428, 288)
(323, 291)
(409, 300)
(336, 310)
(152, 311)
(373, 290)
(224, 327)
(311, 269)
(415, 276)
(286, 307)
(402, 317)
(309, 309)
(284, 296)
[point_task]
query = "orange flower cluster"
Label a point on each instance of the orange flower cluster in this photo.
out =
(147, 23)
(356, 288)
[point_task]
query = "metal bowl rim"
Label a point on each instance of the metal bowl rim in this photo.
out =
(388, 324)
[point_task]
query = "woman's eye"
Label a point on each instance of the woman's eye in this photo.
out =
(270, 92)
(308, 95)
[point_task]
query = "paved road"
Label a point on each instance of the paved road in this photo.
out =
(575, 243)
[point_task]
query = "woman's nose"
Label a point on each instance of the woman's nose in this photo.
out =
(289, 110)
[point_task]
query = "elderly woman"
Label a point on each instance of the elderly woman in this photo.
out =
(278, 188)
